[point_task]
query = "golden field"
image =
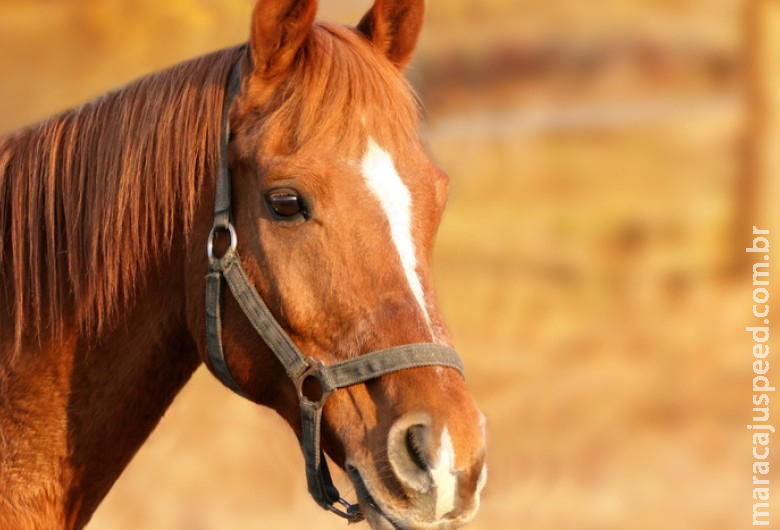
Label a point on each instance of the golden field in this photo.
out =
(589, 264)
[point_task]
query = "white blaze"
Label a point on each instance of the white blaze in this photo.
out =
(445, 476)
(385, 183)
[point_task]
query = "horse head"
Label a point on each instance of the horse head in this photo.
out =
(336, 205)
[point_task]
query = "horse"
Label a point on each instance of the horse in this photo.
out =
(297, 159)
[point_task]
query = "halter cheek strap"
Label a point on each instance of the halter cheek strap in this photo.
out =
(227, 269)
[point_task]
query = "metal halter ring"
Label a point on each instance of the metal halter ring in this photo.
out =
(212, 235)
(314, 370)
(351, 512)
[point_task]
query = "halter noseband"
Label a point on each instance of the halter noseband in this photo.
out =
(227, 269)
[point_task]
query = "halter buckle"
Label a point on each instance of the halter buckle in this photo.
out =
(314, 370)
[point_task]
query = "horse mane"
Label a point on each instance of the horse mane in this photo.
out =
(88, 197)
(91, 198)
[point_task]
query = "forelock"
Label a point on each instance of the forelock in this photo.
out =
(341, 91)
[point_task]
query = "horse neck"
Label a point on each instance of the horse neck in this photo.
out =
(75, 406)
(73, 411)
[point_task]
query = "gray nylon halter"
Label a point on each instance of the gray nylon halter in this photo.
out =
(227, 269)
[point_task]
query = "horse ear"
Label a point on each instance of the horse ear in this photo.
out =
(394, 27)
(279, 28)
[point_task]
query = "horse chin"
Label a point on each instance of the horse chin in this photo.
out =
(375, 517)
(377, 520)
(381, 516)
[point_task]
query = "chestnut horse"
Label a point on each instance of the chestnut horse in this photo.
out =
(105, 212)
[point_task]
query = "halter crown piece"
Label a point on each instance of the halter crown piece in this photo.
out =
(227, 269)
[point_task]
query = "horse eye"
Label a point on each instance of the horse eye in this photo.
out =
(285, 204)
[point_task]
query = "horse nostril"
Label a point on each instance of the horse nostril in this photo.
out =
(415, 444)
(410, 452)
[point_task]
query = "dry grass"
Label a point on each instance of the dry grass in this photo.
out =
(582, 276)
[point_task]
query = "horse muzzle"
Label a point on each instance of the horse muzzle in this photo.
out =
(426, 482)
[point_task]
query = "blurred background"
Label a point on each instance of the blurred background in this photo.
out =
(608, 160)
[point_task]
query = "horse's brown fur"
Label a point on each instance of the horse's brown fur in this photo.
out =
(104, 213)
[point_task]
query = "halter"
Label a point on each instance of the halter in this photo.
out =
(227, 269)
